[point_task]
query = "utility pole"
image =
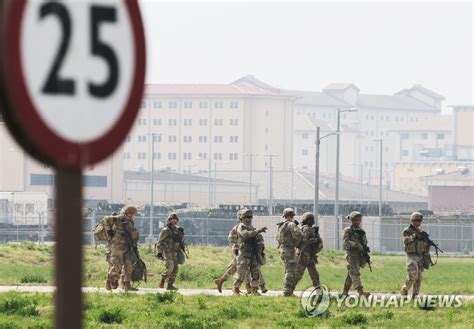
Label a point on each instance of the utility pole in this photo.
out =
(336, 203)
(380, 180)
(189, 183)
(271, 156)
(152, 181)
(316, 178)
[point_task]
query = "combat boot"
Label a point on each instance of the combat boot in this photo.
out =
(249, 288)
(403, 291)
(219, 282)
(288, 293)
(126, 286)
(107, 285)
(171, 287)
(162, 282)
(236, 291)
(263, 289)
(255, 291)
(347, 286)
(361, 292)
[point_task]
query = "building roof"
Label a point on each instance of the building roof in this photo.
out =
(251, 80)
(206, 89)
(175, 177)
(316, 98)
(423, 90)
(340, 87)
(439, 123)
(458, 175)
(392, 102)
(304, 123)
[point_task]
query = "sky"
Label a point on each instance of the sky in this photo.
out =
(380, 47)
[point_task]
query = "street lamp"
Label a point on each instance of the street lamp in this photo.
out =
(151, 238)
(380, 178)
(250, 155)
(336, 203)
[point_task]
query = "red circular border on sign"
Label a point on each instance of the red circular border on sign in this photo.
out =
(34, 130)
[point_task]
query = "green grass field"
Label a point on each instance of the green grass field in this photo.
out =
(28, 263)
(124, 310)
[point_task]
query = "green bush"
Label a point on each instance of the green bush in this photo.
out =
(8, 325)
(20, 306)
(354, 319)
(32, 278)
(233, 313)
(114, 315)
(166, 297)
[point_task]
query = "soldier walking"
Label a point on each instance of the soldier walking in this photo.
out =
(355, 245)
(121, 233)
(416, 248)
(232, 266)
(311, 245)
(289, 237)
(169, 248)
(248, 260)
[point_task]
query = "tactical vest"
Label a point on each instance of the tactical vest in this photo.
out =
(417, 246)
(233, 235)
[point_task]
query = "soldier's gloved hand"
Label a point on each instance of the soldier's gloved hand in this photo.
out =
(262, 230)
(159, 255)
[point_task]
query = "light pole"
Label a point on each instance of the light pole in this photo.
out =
(250, 155)
(190, 165)
(381, 176)
(336, 203)
(271, 156)
(151, 238)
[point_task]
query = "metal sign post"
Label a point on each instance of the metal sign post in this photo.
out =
(71, 83)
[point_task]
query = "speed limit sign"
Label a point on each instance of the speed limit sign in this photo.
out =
(72, 76)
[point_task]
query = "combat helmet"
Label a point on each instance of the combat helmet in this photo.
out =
(244, 213)
(288, 212)
(173, 215)
(307, 218)
(416, 216)
(353, 215)
(129, 210)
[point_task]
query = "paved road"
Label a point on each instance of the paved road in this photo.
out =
(184, 292)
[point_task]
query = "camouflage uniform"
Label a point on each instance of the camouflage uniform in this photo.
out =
(311, 244)
(354, 247)
(169, 246)
(117, 228)
(248, 262)
(289, 237)
(415, 248)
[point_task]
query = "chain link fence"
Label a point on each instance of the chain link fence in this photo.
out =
(454, 235)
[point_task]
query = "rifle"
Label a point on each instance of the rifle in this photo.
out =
(252, 246)
(426, 237)
(132, 247)
(315, 233)
(365, 250)
(180, 240)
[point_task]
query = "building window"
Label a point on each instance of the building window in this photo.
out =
(305, 135)
(188, 139)
(366, 149)
(202, 139)
(172, 105)
(371, 148)
(304, 152)
(232, 156)
(171, 156)
(188, 122)
(218, 122)
(402, 119)
(172, 122)
(411, 119)
(141, 155)
(188, 105)
(41, 179)
(157, 138)
(371, 133)
(404, 136)
(371, 163)
(396, 119)
(95, 181)
(233, 139)
(218, 105)
(157, 105)
(404, 153)
(266, 113)
(157, 156)
(171, 139)
(157, 122)
(202, 156)
(234, 122)
(439, 136)
(218, 139)
(143, 105)
(234, 105)
(187, 156)
(142, 139)
(217, 156)
(141, 122)
(126, 155)
(203, 105)
(203, 122)
(424, 136)
(386, 149)
(324, 115)
(129, 138)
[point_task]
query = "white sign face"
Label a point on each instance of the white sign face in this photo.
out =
(86, 50)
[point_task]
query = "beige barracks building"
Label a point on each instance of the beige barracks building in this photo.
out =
(197, 127)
